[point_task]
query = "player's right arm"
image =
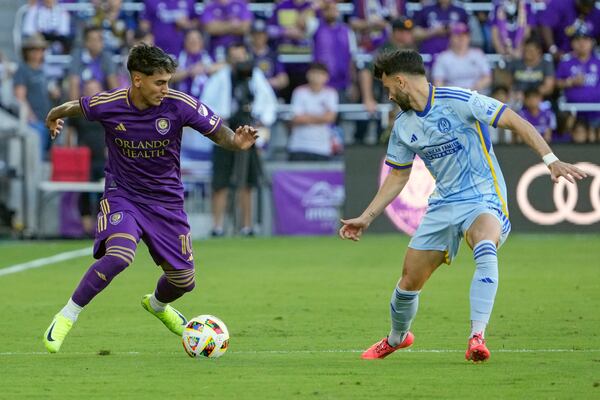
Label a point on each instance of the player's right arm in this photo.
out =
(54, 119)
(392, 186)
(242, 139)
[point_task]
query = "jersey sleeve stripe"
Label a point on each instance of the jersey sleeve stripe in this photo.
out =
(123, 96)
(104, 96)
(496, 117)
(189, 103)
(453, 97)
(83, 109)
(491, 165)
(182, 94)
(396, 165)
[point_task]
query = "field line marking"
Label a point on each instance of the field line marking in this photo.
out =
(242, 352)
(42, 262)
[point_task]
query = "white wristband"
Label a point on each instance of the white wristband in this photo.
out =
(549, 158)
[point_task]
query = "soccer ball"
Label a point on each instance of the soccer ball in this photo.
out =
(205, 336)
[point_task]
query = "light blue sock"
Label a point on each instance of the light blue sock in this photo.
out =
(484, 285)
(403, 307)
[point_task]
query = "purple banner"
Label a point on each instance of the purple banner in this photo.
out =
(307, 202)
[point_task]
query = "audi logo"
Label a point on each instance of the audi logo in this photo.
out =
(565, 205)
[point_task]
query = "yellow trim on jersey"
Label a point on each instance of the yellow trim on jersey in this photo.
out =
(214, 127)
(495, 115)
(123, 249)
(115, 252)
(489, 160)
(105, 206)
(186, 101)
(122, 235)
(182, 94)
(105, 96)
(398, 164)
(432, 96)
(109, 100)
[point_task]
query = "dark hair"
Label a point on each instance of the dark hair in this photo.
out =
(393, 62)
(89, 29)
(150, 59)
(532, 92)
(534, 41)
(317, 66)
(501, 88)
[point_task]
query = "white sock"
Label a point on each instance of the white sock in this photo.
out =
(157, 305)
(71, 310)
(477, 327)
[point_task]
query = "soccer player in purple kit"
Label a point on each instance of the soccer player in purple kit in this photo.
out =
(143, 197)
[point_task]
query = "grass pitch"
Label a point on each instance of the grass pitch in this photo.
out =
(299, 311)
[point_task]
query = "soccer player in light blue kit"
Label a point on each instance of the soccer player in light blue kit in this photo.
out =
(447, 128)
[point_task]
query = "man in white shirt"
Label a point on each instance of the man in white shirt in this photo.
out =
(314, 106)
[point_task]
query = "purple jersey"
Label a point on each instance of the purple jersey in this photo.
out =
(234, 10)
(511, 19)
(144, 145)
(562, 17)
(193, 85)
(268, 63)
(162, 15)
(541, 121)
(589, 92)
(332, 47)
(286, 15)
(385, 9)
(434, 16)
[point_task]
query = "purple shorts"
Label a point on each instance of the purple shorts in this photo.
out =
(165, 231)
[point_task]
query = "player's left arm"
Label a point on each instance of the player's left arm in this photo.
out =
(511, 120)
(242, 139)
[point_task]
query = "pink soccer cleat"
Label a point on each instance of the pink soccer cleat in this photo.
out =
(476, 349)
(383, 349)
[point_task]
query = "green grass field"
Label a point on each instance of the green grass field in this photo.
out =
(299, 311)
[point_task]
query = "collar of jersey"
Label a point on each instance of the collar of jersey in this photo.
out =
(429, 104)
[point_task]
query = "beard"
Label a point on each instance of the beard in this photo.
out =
(403, 101)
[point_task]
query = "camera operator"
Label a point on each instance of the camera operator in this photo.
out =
(241, 94)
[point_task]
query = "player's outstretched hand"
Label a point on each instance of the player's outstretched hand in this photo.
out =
(245, 136)
(353, 228)
(566, 170)
(54, 125)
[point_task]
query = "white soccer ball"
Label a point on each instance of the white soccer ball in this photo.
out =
(205, 336)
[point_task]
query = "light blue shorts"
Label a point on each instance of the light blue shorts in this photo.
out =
(444, 226)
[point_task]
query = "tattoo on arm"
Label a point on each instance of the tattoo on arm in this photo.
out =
(224, 137)
(69, 109)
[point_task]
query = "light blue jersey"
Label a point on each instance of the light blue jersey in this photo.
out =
(452, 138)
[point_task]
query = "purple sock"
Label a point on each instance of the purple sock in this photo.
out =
(119, 254)
(167, 292)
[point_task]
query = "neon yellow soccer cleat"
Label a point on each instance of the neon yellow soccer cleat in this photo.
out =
(56, 333)
(172, 318)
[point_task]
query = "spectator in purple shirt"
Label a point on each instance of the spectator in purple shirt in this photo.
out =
(334, 46)
(92, 62)
(542, 118)
(195, 65)
(265, 58)
(578, 74)
(433, 22)
(562, 18)
(226, 22)
(511, 23)
(168, 19)
(371, 20)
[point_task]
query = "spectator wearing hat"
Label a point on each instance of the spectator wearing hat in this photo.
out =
(511, 22)
(578, 75)
(32, 89)
(562, 18)
(226, 22)
(462, 65)
(402, 36)
(370, 21)
(265, 58)
(432, 25)
(335, 46)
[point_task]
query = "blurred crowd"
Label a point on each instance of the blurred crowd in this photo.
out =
(299, 61)
(527, 53)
